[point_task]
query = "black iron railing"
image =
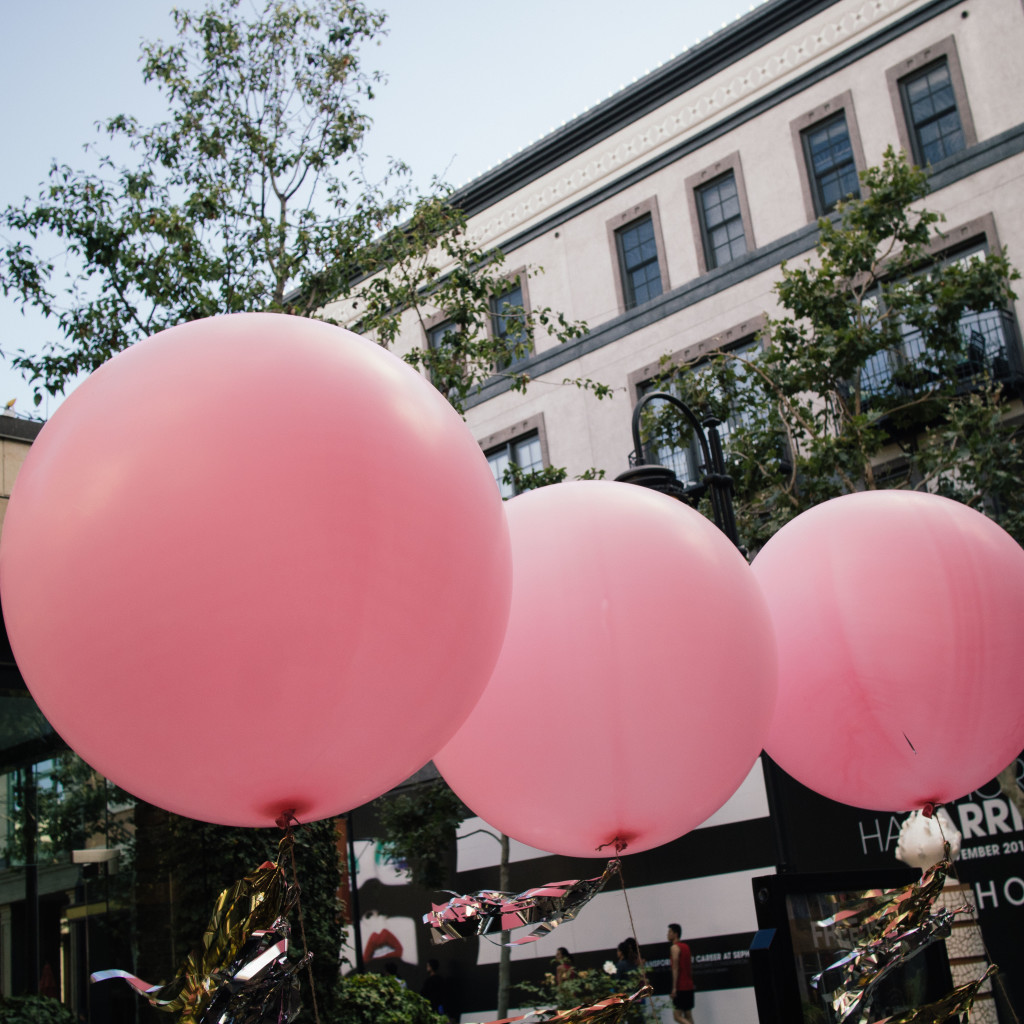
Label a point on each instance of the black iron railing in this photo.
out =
(990, 353)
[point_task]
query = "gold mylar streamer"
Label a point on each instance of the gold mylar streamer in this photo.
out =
(953, 1004)
(253, 904)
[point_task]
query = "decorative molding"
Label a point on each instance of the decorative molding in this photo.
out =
(683, 116)
(530, 425)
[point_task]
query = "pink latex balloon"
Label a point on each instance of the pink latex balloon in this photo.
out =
(898, 617)
(637, 679)
(255, 564)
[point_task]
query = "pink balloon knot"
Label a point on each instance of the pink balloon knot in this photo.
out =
(928, 810)
(285, 818)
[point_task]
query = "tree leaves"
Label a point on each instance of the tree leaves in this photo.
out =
(251, 195)
(867, 379)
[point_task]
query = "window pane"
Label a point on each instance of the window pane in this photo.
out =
(684, 457)
(504, 323)
(984, 350)
(527, 454)
(831, 163)
(721, 221)
(510, 326)
(638, 255)
(498, 462)
(932, 111)
(436, 336)
(437, 339)
(524, 452)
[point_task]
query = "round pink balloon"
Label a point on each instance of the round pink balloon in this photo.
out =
(898, 617)
(255, 564)
(636, 683)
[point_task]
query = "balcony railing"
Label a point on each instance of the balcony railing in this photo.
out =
(990, 353)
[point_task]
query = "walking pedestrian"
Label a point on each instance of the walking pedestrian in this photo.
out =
(682, 976)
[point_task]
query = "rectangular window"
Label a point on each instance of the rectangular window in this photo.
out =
(989, 351)
(508, 321)
(442, 369)
(929, 103)
(682, 454)
(436, 335)
(638, 262)
(721, 221)
(719, 214)
(524, 453)
(929, 99)
(831, 165)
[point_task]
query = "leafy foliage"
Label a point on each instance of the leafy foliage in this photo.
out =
(215, 209)
(252, 195)
(584, 988)
(73, 806)
(867, 379)
(520, 479)
(418, 830)
(430, 266)
(35, 1010)
(381, 999)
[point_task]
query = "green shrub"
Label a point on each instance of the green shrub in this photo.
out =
(381, 999)
(35, 1010)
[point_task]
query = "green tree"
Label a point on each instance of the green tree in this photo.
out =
(251, 195)
(72, 806)
(418, 831)
(874, 375)
(585, 988)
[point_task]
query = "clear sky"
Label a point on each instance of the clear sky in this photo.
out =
(469, 83)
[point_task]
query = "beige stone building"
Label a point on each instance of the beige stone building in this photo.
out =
(661, 217)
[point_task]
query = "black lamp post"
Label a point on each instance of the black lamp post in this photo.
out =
(717, 484)
(715, 481)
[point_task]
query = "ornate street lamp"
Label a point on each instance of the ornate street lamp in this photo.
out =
(717, 484)
(715, 481)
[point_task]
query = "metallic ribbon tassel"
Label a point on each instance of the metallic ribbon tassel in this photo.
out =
(488, 911)
(608, 1011)
(240, 973)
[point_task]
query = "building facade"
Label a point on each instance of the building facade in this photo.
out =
(661, 217)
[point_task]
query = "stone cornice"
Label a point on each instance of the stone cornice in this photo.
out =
(682, 99)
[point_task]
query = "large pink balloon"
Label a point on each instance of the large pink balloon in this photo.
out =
(899, 621)
(637, 679)
(255, 564)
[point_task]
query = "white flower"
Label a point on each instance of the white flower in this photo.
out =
(609, 967)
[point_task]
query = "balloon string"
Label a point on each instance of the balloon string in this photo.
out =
(929, 811)
(285, 822)
(619, 848)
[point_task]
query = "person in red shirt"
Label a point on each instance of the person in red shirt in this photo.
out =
(682, 976)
